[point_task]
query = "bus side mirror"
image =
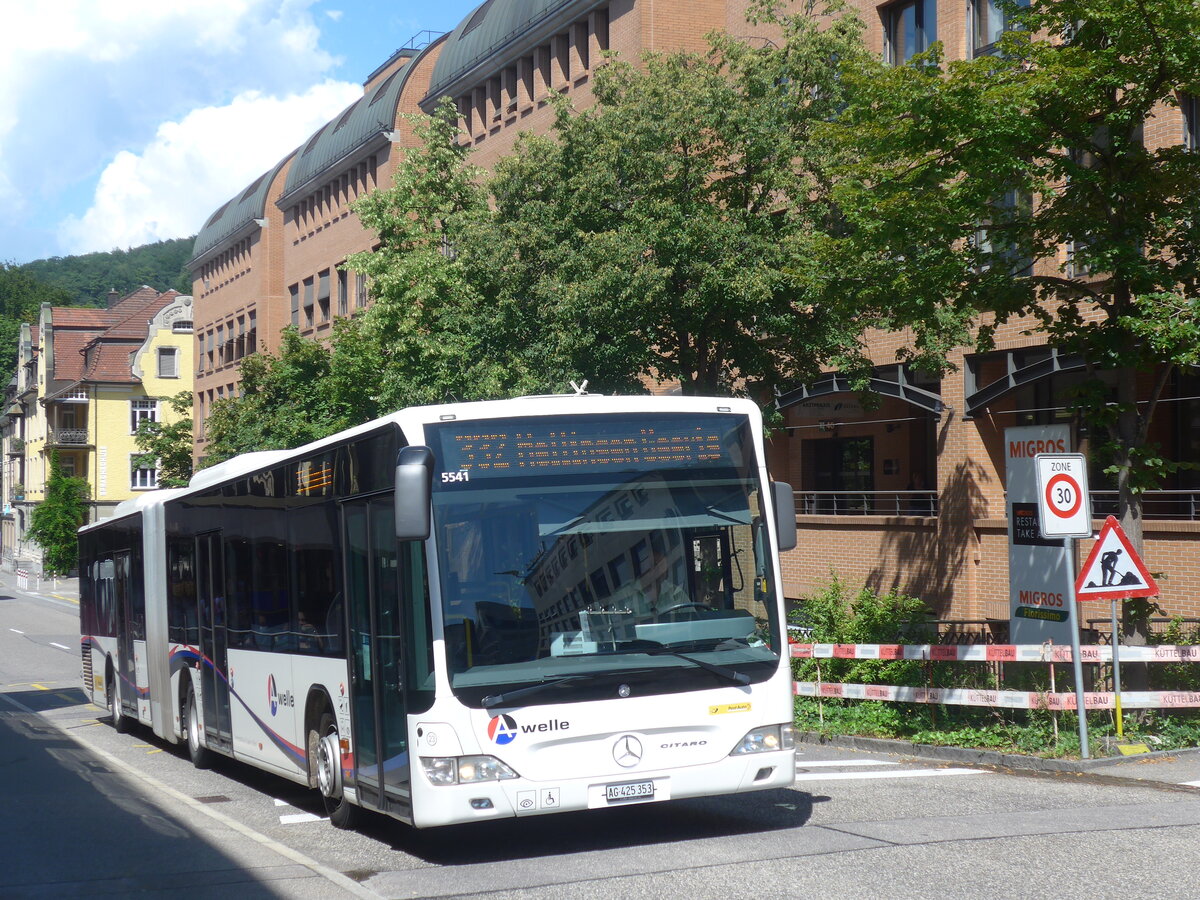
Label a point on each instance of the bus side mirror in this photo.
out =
(414, 487)
(785, 515)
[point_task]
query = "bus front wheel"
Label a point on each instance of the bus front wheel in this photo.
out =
(342, 813)
(200, 755)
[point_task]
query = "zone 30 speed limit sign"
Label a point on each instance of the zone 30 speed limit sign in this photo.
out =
(1064, 505)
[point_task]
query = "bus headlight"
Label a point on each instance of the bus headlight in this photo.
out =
(763, 740)
(442, 770)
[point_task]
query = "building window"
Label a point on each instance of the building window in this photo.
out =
(252, 333)
(141, 478)
(142, 411)
(66, 464)
(994, 240)
(308, 303)
(323, 296)
(991, 19)
(911, 29)
(343, 306)
(360, 291)
(168, 362)
(295, 292)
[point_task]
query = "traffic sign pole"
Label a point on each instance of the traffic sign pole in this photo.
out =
(1116, 645)
(1076, 653)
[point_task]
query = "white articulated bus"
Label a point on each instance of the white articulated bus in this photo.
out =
(464, 612)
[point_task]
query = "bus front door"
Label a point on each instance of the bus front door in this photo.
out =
(376, 655)
(214, 639)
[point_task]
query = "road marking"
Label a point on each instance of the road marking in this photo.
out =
(841, 763)
(1191, 783)
(60, 646)
(16, 631)
(279, 802)
(40, 687)
(297, 818)
(898, 773)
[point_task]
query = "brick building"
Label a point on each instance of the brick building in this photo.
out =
(909, 495)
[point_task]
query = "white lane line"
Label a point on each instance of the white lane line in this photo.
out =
(59, 646)
(279, 802)
(1191, 783)
(841, 763)
(897, 773)
(297, 818)
(16, 631)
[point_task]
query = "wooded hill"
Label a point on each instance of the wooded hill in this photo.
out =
(84, 281)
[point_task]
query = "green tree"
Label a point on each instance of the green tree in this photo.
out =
(21, 296)
(646, 236)
(168, 447)
(285, 402)
(55, 521)
(656, 227)
(435, 330)
(965, 171)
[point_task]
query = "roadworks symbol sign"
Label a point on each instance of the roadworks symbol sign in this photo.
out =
(1113, 570)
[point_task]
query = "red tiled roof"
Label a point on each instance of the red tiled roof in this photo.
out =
(96, 344)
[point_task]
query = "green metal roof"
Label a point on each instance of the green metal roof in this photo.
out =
(370, 115)
(236, 213)
(490, 26)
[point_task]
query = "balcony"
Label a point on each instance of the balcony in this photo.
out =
(67, 437)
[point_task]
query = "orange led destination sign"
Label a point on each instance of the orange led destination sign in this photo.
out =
(589, 445)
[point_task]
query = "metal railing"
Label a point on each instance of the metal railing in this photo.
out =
(1184, 505)
(77, 436)
(867, 503)
(1176, 505)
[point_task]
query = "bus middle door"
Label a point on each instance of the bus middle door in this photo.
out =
(214, 639)
(376, 654)
(126, 667)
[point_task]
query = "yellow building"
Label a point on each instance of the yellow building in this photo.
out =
(85, 379)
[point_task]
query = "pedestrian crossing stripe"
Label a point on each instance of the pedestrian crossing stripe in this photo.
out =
(1114, 570)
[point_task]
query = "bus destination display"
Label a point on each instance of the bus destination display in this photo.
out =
(488, 450)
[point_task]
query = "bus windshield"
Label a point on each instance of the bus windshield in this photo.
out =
(582, 556)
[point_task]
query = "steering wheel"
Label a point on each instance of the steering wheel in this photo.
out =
(689, 604)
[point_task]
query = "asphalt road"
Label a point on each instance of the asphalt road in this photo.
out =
(89, 812)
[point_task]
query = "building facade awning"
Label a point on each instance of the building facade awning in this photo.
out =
(837, 383)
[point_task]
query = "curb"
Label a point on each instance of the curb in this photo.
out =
(980, 757)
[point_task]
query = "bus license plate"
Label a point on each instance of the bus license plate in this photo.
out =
(637, 790)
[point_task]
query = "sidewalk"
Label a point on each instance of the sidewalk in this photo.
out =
(63, 589)
(1178, 768)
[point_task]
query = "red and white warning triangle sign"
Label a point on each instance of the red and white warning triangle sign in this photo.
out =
(1113, 570)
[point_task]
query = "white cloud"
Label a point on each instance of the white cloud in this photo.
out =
(170, 187)
(89, 84)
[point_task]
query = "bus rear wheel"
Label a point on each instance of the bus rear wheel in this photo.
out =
(200, 755)
(120, 724)
(342, 813)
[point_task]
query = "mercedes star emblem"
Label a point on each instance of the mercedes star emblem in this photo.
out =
(627, 751)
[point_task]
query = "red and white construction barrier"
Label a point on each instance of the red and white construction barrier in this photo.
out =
(1046, 653)
(1002, 699)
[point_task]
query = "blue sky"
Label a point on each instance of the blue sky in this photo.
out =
(124, 122)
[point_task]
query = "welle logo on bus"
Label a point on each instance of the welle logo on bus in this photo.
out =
(503, 729)
(277, 698)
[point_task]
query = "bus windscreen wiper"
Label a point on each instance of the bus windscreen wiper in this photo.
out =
(723, 671)
(506, 696)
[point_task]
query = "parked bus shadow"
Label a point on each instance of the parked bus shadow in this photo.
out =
(50, 698)
(603, 829)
